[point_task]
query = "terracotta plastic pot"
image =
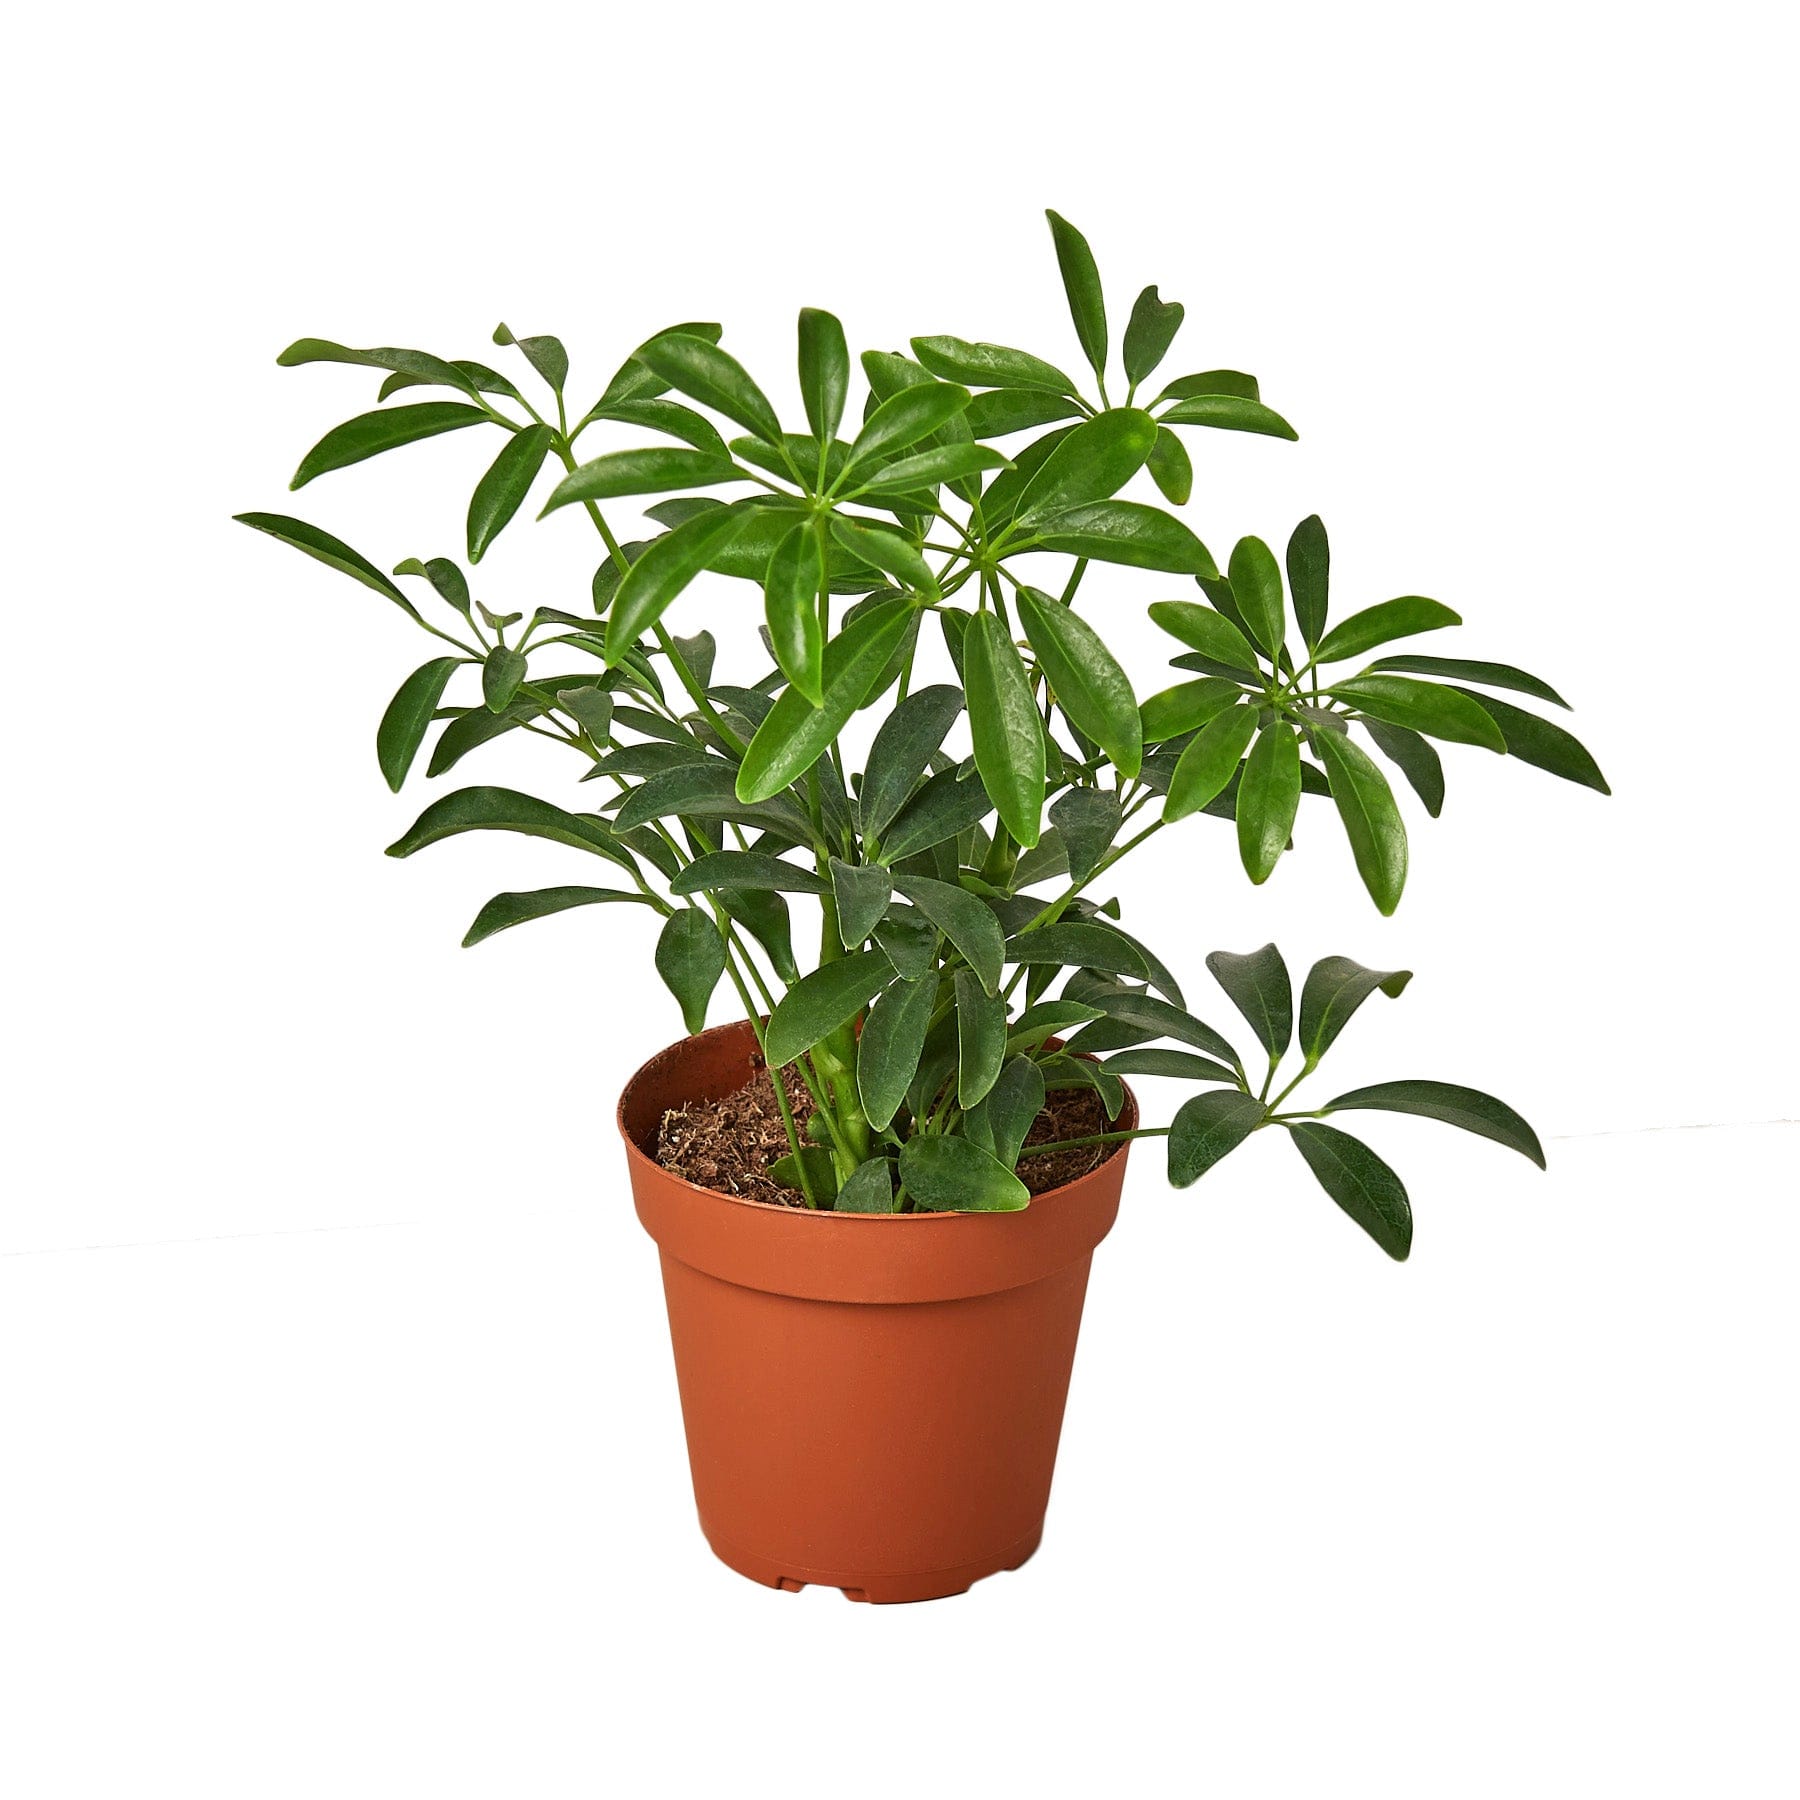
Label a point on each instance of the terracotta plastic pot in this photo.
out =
(872, 1402)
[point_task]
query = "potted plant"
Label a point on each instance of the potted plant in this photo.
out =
(877, 1194)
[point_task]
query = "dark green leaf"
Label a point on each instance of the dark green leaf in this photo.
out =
(1374, 625)
(501, 809)
(502, 489)
(796, 733)
(1360, 1182)
(707, 790)
(861, 892)
(1543, 745)
(500, 677)
(715, 378)
(764, 914)
(1178, 710)
(1005, 410)
(636, 380)
(811, 1172)
(1207, 1128)
(690, 957)
(1004, 723)
(747, 869)
(913, 413)
(869, 1189)
(451, 584)
(892, 1040)
(1483, 674)
(1212, 381)
(1227, 412)
(909, 737)
(908, 940)
(1309, 577)
(652, 471)
(1171, 468)
(403, 725)
(1440, 712)
(1001, 1122)
(1081, 282)
(1182, 1065)
(1078, 945)
(989, 365)
(1258, 985)
(888, 551)
(1207, 631)
(323, 547)
(1152, 328)
(1122, 531)
(1256, 587)
(1414, 757)
(670, 417)
(918, 474)
(964, 920)
(824, 371)
(1335, 988)
(1091, 462)
(832, 995)
(1157, 1018)
(1209, 762)
(429, 369)
(943, 808)
(663, 570)
(1268, 798)
(951, 1174)
(371, 433)
(1466, 1108)
(981, 1039)
(506, 910)
(1084, 677)
(545, 354)
(791, 608)
(473, 730)
(1088, 820)
(1372, 821)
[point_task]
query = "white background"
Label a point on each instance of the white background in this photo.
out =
(340, 1450)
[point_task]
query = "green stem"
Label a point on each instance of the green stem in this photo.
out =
(1099, 1137)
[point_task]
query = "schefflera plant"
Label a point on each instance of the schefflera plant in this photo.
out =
(964, 968)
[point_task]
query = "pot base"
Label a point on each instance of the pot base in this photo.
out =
(877, 1590)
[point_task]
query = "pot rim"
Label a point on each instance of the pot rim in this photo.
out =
(1127, 1121)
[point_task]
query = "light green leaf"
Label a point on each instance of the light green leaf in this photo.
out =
(1256, 587)
(715, 378)
(1268, 799)
(1483, 674)
(824, 371)
(1171, 468)
(791, 608)
(1209, 762)
(1203, 629)
(1228, 412)
(1186, 707)
(888, 551)
(989, 365)
(1081, 282)
(1151, 330)
(1438, 711)
(1122, 531)
(1372, 821)
(1085, 678)
(1091, 462)
(913, 413)
(1362, 631)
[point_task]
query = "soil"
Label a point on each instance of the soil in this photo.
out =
(728, 1144)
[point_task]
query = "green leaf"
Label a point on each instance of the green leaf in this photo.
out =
(1208, 1128)
(652, 471)
(747, 869)
(1004, 723)
(1414, 757)
(1205, 630)
(1258, 985)
(981, 1039)
(1088, 820)
(764, 915)
(1256, 587)
(1002, 411)
(500, 492)
(636, 380)
(824, 371)
(404, 724)
(1228, 412)
(1159, 1018)
(989, 365)
(908, 739)
(545, 354)
(715, 378)
(1171, 468)
(1268, 799)
(500, 677)
(1483, 674)
(1335, 988)
(1212, 381)
(1309, 577)
(913, 413)
(1091, 462)
(323, 547)
(832, 995)
(1076, 944)
(964, 920)
(501, 809)
(1209, 762)
(418, 363)
(791, 608)
(445, 577)
(908, 940)
(1440, 712)
(507, 910)
(892, 1041)
(669, 417)
(811, 1173)
(1081, 282)
(1122, 531)
(919, 474)
(1001, 1123)
(869, 1188)
(1372, 821)
(861, 892)
(707, 790)
(1374, 625)
(667, 565)
(1543, 745)
(690, 957)
(1466, 1108)
(796, 733)
(371, 433)
(1360, 1182)
(1181, 1065)
(1186, 707)
(1151, 330)
(474, 729)
(944, 807)
(1085, 678)
(951, 1174)
(888, 551)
